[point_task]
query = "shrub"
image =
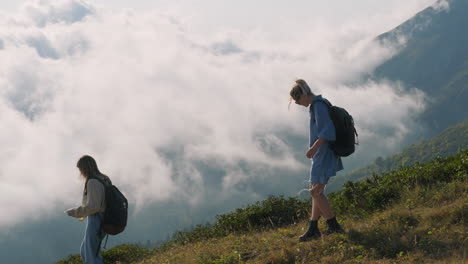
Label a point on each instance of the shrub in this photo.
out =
(276, 211)
(72, 259)
(125, 253)
(358, 199)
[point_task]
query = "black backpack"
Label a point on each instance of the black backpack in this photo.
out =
(346, 135)
(115, 216)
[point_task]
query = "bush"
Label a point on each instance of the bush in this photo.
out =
(359, 199)
(276, 211)
(125, 253)
(72, 259)
(273, 212)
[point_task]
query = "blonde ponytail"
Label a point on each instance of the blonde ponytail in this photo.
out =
(300, 89)
(304, 87)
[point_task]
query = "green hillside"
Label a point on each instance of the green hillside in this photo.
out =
(448, 142)
(435, 60)
(416, 214)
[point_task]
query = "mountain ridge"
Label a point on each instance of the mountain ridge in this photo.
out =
(434, 59)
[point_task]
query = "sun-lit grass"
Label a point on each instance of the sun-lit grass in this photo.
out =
(412, 215)
(408, 232)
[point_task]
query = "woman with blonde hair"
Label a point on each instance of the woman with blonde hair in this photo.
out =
(325, 163)
(93, 207)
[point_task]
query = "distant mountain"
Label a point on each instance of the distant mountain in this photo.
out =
(434, 59)
(447, 143)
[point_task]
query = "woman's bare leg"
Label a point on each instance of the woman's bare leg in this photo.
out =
(315, 215)
(320, 203)
(315, 209)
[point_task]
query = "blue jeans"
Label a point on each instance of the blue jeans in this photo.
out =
(90, 246)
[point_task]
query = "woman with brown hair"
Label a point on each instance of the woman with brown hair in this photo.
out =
(325, 163)
(93, 206)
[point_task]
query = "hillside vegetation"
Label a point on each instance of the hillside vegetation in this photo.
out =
(448, 142)
(415, 214)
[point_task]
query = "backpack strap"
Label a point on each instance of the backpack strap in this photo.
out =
(103, 182)
(100, 243)
(319, 100)
(311, 108)
(85, 190)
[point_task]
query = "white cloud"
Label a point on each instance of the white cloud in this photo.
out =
(441, 5)
(150, 99)
(383, 112)
(41, 13)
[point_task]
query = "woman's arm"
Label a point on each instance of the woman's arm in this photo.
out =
(93, 203)
(325, 128)
(312, 150)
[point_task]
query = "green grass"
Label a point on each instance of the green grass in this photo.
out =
(415, 214)
(125, 253)
(448, 142)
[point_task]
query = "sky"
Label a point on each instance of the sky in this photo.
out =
(247, 14)
(156, 88)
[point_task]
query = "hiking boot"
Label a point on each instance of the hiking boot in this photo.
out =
(333, 227)
(311, 233)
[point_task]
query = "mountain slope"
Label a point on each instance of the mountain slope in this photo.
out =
(414, 215)
(447, 143)
(435, 60)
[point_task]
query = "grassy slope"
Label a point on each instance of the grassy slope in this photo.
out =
(416, 214)
(420, 217)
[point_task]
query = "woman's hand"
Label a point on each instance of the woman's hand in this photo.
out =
(69, 212)
(310, 153)
(312, 150)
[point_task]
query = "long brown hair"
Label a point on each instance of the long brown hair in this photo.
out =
(88, 167)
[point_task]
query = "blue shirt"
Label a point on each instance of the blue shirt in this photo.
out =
(325, 163)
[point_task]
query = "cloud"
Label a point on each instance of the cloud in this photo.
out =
(45, 12)
(441, 5)
(160, 106)
(383, 112)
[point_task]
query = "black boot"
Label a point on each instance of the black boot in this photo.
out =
(333, 227)
(311, 233)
